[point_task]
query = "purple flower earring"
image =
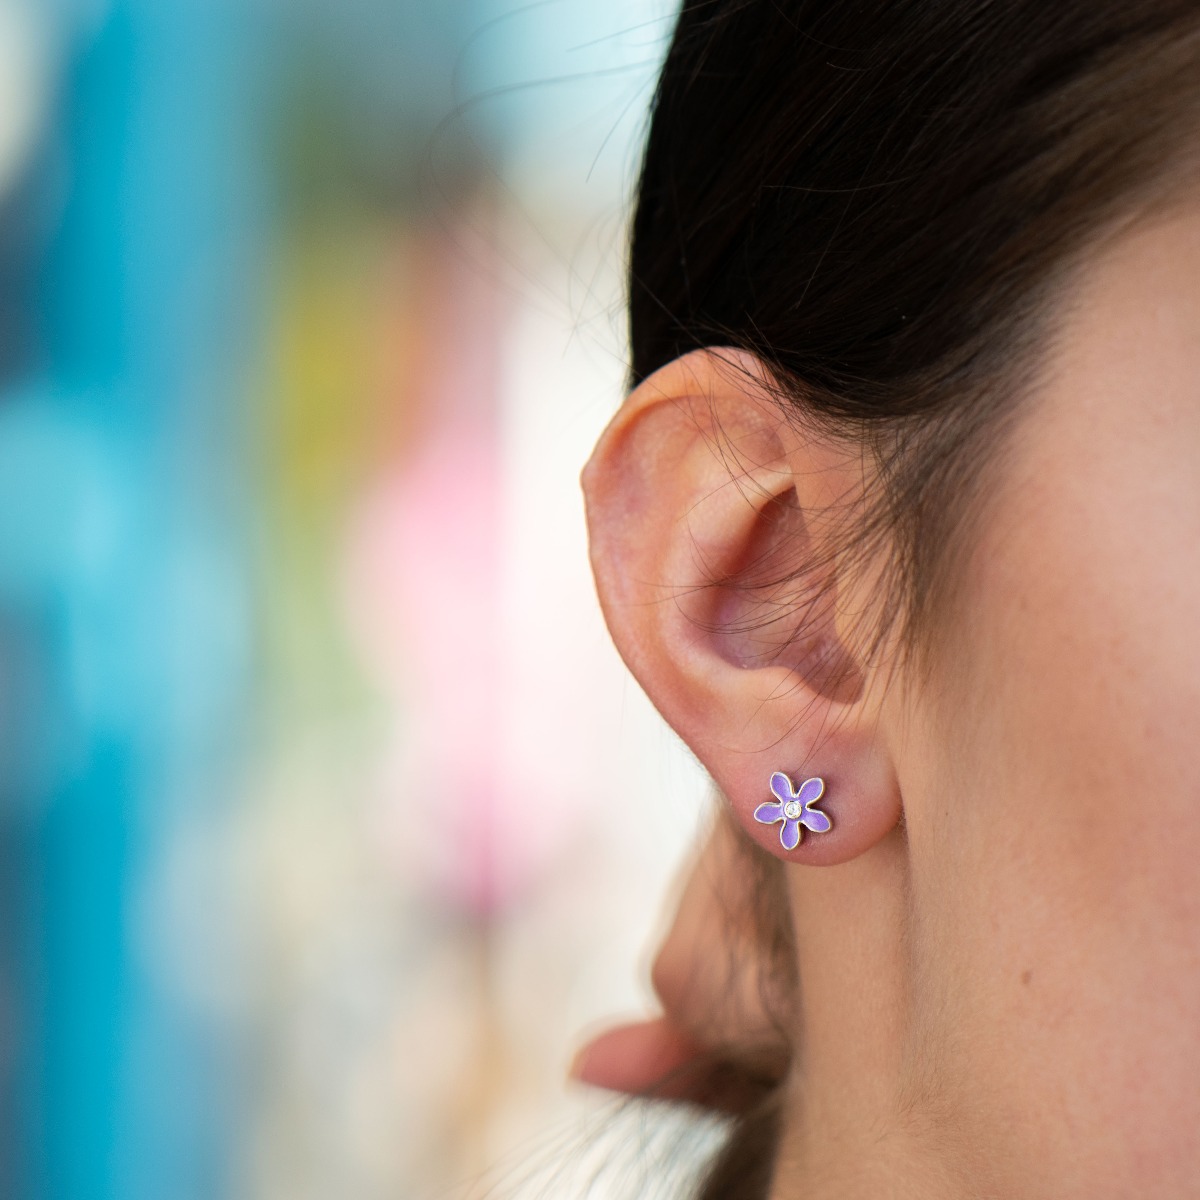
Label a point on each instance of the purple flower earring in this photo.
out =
(793, 806)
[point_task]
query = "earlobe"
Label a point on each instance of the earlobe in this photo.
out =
(714, 553)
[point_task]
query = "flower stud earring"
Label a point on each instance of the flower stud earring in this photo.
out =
(793, 806)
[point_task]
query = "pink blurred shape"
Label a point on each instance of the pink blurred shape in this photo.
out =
(426, 586)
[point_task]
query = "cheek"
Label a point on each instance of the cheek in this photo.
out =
(1089, 694)
(1054, 790)
(1086, 616)
(1062, 861)
(1083, 614)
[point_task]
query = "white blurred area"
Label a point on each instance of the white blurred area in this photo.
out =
(447, 879)
(437, 848)
(25, 84)
(426, 1029)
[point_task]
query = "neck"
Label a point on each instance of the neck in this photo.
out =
(855, 1124)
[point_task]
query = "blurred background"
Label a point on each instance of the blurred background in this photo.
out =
(329, 817)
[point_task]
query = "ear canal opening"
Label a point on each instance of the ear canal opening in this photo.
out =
(777, 605)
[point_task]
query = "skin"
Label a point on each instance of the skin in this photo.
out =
(1000, 994)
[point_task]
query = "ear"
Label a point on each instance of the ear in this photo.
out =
(714, 518)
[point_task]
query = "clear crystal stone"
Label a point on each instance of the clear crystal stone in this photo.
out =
(791, 809)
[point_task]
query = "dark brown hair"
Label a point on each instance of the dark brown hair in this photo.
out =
(882, 200)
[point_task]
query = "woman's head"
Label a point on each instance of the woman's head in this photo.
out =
(882, 201)
(907, 495)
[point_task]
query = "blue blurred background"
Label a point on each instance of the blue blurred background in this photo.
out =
(327, 815)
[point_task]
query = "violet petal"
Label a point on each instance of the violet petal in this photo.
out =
(811, 790)
(768, 813)
(781, 785)
(816, 820)
(789, 835)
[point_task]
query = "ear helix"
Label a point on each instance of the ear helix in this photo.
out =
(794, 807)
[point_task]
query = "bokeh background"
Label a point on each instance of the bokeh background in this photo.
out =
(328, 816)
